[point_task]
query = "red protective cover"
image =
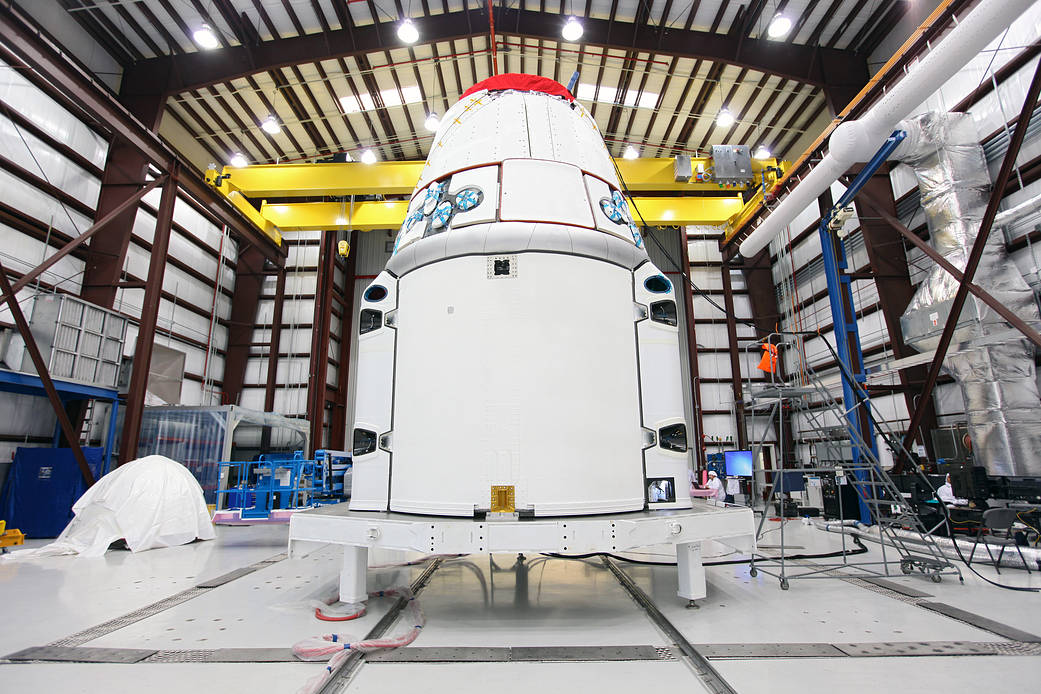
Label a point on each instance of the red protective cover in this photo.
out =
(516, 80)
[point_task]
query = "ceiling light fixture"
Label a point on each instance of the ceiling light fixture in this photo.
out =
(408, 32)
(572, 30)
(271, 126)
(238, 160)
(724, 118)
(630, 153)
(761, 153)
(432, 122)
(368, 157)
(779, 26)
(205, 37)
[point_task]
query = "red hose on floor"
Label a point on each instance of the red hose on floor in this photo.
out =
(345, 618)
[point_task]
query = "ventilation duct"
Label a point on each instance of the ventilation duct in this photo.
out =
(993, 367)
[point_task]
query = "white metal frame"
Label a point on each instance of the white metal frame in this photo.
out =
(358, 531)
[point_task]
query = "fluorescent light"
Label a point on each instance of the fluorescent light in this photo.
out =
(238, 160)
(389, 97)
(271, 126)
(724, 118)
(408, 32)
(572, 30)
(779, 26)
(609, 95)
(368, 157)
(630, 153)
(205, 37)
(432, 122)
(761, 153)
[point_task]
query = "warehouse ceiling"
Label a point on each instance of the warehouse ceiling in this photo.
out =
(336, 78)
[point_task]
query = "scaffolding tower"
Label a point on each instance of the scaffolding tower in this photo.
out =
(896, 526)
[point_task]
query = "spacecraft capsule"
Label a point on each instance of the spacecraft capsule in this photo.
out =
(520, 352)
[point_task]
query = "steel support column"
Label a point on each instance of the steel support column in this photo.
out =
(976, 254)
(338, 415)
(847, 338)
(735, 356)
(125, 172)
(697, 436)
(41, 370)
(147, 323)
(319, 364)
(249, 279)
(885, 251)
(275, 343)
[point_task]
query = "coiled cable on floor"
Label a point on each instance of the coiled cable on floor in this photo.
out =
(337, 647)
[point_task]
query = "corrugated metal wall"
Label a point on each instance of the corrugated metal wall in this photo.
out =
(50, 185)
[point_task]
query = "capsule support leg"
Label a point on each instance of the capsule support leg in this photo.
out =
(353, 574)
(691, 572)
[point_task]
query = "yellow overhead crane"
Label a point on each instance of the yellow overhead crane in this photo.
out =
(399, 178)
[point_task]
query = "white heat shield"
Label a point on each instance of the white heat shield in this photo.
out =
(996, 377)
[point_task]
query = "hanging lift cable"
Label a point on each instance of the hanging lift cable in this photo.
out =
(844, 370)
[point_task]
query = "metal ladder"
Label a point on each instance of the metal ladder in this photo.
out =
(899, 526)
(88, 417)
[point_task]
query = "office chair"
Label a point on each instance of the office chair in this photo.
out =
(998, 523)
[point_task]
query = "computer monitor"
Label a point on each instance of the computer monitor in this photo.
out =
(661, 490)
(738, 463)
(793, 481)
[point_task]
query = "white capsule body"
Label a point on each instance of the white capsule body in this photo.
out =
(519, 338)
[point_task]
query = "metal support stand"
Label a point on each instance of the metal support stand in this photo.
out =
(814, 406)
(358, 531)
(691, 572)
(352, 577)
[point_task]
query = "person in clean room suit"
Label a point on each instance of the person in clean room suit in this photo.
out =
(946, 494)
(716, 485)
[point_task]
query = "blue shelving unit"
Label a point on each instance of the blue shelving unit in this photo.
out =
(68, 391)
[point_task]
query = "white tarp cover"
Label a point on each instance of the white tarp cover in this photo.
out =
(149, 502)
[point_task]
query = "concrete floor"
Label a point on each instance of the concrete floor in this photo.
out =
(476, 601)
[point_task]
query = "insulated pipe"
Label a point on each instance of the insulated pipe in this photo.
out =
(1014, 214)
(946, 544)
(855, 141)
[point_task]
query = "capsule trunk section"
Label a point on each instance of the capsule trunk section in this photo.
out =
(520, 352)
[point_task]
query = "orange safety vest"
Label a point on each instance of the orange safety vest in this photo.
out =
(769, 361)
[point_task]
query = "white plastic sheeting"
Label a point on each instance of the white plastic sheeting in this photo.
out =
(150, 502)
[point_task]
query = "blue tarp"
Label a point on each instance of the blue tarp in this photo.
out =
(41, 487)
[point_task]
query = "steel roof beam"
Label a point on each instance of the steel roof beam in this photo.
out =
(810, 64)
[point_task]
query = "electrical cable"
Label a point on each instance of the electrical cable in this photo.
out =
(861, 549)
